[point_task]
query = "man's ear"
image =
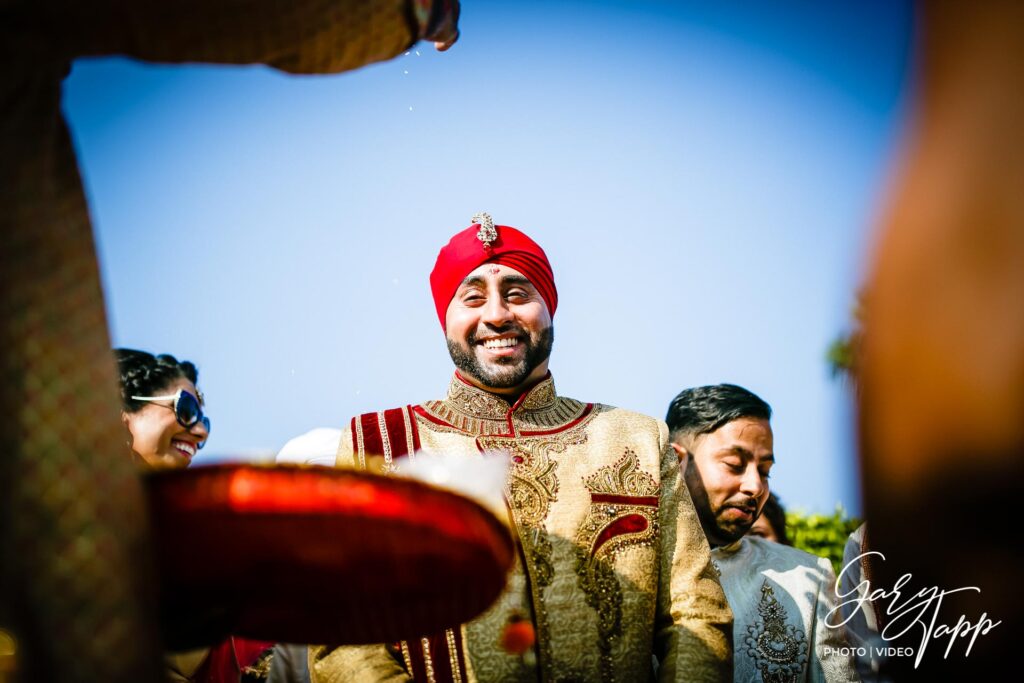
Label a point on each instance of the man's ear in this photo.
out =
(682, 453)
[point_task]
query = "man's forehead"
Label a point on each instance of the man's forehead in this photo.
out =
(750, 428)
(487, 271)
(745, 432)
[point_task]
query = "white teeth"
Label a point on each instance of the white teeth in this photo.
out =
(185, 446)
(500, 343)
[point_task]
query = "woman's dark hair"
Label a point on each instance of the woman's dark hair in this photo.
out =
(776, 516)
(143, 374)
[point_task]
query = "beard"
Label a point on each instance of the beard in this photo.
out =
(729, 530)
(503, 373)
(719, 531)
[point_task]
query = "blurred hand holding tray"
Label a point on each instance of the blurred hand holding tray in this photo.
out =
(318, 555)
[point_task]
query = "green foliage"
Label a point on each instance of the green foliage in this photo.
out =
(843, 353)
(841, 356)
(822, 535)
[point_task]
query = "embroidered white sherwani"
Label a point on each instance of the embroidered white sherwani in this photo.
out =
(614, 568)
(780, 598)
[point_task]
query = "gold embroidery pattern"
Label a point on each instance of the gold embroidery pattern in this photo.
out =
(594, 564)
(541, 396)
(473, 401)
(385, 440)
(460, 424)
(428, 662)
(604, 595)
(410, 446)
(532, 480)
(477, 412)
(779, 650)
(531, 488)
(624, 478)
(633, 489)
(533, 483)
(406, 657)
(541, 568)
(453, 656)
(563, 411)
(360, 445)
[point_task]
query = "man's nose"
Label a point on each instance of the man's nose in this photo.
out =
(753, 484)
(496, 312)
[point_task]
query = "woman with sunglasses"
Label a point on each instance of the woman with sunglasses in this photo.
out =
(161, 408)
(163, 412)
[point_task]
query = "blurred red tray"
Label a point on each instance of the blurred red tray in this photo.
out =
(318, 555)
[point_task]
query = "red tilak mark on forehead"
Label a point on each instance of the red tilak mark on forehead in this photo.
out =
(495, 270)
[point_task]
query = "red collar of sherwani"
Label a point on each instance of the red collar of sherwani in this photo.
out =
(471, 410)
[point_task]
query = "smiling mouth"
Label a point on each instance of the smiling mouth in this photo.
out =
(501, 343)
(185, 448)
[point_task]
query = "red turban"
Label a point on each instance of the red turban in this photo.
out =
(467, 250)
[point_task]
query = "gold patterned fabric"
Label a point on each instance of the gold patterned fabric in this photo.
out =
(614, 565)
(75, 585)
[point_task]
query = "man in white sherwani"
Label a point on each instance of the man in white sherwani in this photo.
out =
(780, 596)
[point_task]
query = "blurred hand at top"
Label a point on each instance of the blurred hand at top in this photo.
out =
(445, 25)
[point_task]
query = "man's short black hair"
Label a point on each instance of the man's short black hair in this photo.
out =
(702, 410)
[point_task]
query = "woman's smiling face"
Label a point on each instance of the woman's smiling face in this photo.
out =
(156, 435)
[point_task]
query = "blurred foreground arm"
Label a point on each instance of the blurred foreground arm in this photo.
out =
(943, 366)
(298, 36)
(77, 585)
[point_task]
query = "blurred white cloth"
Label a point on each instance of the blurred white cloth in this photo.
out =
(479, 478)
(316, 447)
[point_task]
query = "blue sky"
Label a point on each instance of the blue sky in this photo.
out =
(704, 177)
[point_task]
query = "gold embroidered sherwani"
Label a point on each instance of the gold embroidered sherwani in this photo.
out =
(614, 568)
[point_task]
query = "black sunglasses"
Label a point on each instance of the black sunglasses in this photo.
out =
(187, 408)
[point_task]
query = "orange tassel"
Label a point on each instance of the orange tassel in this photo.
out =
(518, 636)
